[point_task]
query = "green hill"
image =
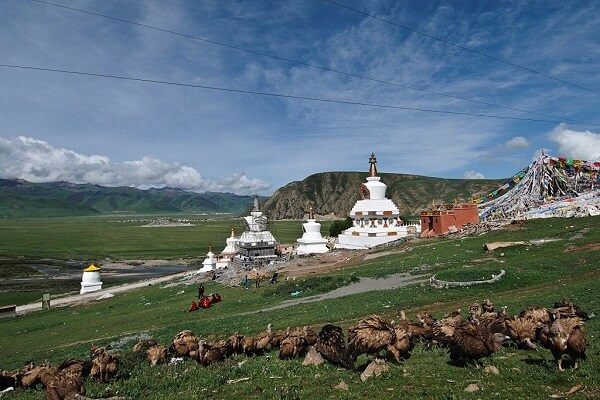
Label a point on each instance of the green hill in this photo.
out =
(334, 193)
(20, 198)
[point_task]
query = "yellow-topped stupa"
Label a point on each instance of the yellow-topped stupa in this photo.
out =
(90, 281)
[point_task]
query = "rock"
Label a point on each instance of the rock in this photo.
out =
(491, 369)
(375, 368)
(342, 386)
(313, 357)
(496, 245)
(473, 387)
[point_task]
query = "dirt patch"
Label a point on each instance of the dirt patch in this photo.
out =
(572, 248)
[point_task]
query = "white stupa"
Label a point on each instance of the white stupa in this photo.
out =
(230, 250)
(375, 219)
(90, 281)
(311, 241)
(210, 262)
(256, 245)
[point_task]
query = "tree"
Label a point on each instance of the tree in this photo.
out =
(338, 226)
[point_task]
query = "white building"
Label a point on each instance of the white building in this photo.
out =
(210, 262)
(90, 281)
(230, 250)
(311, 241)
(257, 245)
(375, 219)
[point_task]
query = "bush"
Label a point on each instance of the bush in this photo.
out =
(338, 226)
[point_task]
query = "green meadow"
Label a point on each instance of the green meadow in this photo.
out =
(567, 267)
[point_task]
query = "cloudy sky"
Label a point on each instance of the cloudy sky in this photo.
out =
(256, 94)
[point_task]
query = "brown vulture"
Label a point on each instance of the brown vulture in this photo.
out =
(331, 344)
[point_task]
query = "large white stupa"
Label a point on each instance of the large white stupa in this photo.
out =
(375, 219)
(256, 246)
(311, 241)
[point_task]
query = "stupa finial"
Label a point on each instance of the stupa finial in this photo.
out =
(255, 206)
(311, 214)
(373, 162)
(232, 233)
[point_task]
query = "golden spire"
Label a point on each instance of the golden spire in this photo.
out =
(373, 162)
(311, 214)
(232, 233)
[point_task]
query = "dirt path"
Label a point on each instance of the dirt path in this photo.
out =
(62, 301)
(364, 285)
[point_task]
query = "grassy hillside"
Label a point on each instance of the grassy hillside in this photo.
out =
(537, 274)
(25, 199)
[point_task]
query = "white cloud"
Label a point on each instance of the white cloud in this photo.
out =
(37, 161)
(473, 175)
(576, 144)
(518, 142)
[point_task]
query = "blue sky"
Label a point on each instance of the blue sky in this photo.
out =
(112, 132)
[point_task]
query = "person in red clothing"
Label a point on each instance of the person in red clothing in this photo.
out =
(193, 307)
(204, 302)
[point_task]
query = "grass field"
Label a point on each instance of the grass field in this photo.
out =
(536, 274)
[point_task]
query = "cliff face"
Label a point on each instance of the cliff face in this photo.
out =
(333, 194)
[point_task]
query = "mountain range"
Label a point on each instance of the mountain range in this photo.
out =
(332, 195)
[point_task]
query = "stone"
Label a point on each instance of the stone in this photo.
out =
(473, 387)
(375, 368)
(313, 357)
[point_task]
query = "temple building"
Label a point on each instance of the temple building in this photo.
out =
(311, 241)
(443, 218)
(90, 281)
(375, 219)
(256, 246)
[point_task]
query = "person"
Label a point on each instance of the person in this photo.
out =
(204, 302)
(215, 298)
(214, 278)
(193, 307)
(257, 282)
(245, 283)
(273, 278)
(200, 291)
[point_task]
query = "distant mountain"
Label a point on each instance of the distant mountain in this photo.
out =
(19, 198)
(334, 193)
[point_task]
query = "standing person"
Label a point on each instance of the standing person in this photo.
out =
(245, 283)
(200, 291)
(257, 282)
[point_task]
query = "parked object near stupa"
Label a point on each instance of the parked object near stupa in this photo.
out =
(375, 219)
(90, 281)
(311, 241)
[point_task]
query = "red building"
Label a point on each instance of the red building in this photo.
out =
(440, 219)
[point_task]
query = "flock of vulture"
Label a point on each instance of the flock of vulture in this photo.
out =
(560, 329)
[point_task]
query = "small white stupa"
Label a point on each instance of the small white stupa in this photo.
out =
(375, 219)
(230, 250)
(90, 281)
(210, 262)
(311, 241)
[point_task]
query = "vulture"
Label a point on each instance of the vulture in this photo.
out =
(331, 344)
(7, 380)
(538, 314)
(235, 341)
(522, 331)
(471, 342)
(144, 345)
(104, 364)
(487, 306)
(156, 354)
(278, 336)
(208, 353)
(400, 348)
(370, 336)
(39, 374)
(295, 343)
(61, 382)
(262, 340)
(565, 336)
(568, 309)
(184, 343)
(64, 386)
(443, 329)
